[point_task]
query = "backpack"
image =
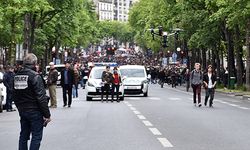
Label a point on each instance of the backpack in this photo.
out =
(192, 76)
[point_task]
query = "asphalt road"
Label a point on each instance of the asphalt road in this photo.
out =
(166, 119)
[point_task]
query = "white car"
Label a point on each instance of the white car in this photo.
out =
(59, 68)
(3, 93)
(94, 84)
(135, 79)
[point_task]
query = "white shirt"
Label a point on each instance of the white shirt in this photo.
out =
(210, 83)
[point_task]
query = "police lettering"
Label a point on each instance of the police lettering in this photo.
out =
(21, 78)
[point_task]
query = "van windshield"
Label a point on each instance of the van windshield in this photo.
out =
(133, 73)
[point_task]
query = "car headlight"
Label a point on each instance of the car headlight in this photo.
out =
(90, 84)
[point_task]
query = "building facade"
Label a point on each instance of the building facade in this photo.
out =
(113, 9)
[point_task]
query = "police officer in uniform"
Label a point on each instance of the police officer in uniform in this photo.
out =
(32, 104)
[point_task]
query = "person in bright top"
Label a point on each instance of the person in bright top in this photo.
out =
(116, 84)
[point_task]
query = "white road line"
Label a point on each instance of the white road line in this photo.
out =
(155, 131)
(134, 98)
(126, 102)
(224, 102)
(165, 142)
(243, 108)
(141, 117)
(234, 105)
(147, 123)
(136, 112)
(190, 98)
(129, 105)
(154, 98)
(132, 108)
(174, 99)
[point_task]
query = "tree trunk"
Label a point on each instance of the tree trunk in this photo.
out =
(230, 54)
(32, 32)
(248, 55)
(26, 33)
(204, 59)
(239, 55)
(12, 52)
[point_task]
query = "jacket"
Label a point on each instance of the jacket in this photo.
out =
(206, 78)
(8, 80)
(29, 92)
(52, 77)
(107, 77)
(71, 78)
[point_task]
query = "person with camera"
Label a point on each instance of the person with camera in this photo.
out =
(107, 79)
(32, 103)
(52, 82)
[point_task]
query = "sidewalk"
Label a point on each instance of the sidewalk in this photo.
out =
(242, 95)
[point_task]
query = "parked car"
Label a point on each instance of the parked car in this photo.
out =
(94, 83)
(134, 79)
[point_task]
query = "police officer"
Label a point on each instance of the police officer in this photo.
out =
(32, 103)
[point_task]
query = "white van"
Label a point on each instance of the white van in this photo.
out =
(134, 79)
(94, 84)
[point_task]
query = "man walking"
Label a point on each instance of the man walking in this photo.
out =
(196, 82)
(107, 79)
(8, 80)
(32, 104)
(67, 81)
(51, 82)
(210, 83)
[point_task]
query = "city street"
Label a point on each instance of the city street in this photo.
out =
(166, 119)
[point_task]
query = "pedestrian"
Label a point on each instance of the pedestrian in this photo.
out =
(107, 78)
(52, 82)
(187, 79)
(32, 104)
(196, 82)
(173, 78)
(76, 81)
(85, 75)
(67, 81)
(8, 80)
(210, 81)
(116, 84)
(162, 77)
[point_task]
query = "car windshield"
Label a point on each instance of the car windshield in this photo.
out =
(133, 72)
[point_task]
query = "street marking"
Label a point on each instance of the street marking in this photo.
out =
(134, 98)
(154, 98)
(141, 117)
(126, 102)
(155, 131)
(132, 108)
(129, 105)
(147, 123)
(243, 108)
(234, 105)
(136, 112)
(224, 102)
(190, 98)
(165, 142)
(174, 99)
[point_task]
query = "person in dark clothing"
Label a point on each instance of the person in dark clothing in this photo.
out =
(85, 75)
(8, 80)
(107, 79)
(116, 84)
(187, 79)
(173, 78)
(209, 80)
(32, 103)
(162, 77)
(67, 81)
